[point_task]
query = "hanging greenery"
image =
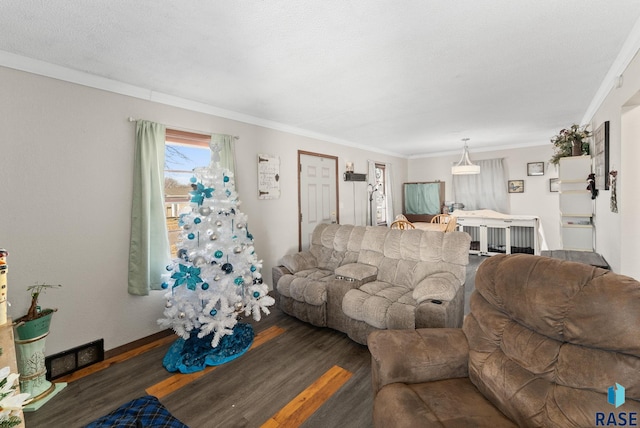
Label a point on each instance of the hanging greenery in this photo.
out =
(565, 140)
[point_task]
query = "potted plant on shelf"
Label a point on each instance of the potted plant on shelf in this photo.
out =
(31, 331)
(570, 142)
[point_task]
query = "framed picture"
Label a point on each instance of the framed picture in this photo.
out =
(535, 168)
(554, 185)
(601, 156)
(516, 186)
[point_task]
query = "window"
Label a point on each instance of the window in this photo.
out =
(484, 191)
(380, 195)
(184, 151)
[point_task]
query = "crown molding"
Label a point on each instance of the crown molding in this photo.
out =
(479, 149)
(629, 50)
(46, 69)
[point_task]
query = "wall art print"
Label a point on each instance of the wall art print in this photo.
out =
(268, 177)
(516, 186)
(601, 156)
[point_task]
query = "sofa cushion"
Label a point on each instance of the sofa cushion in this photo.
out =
(299, 261)
(329, 259)
(309, 286)
(357, 271)
(372, 247)
(381, 305)
(427, 354)
(341, 237)
(439, 286)
(451, 402)
(547, 338)
(396, 271)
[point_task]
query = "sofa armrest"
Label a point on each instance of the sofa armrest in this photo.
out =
(299, 261)
(278, 272)
(440, 287)
(417, 356)
(441, 314)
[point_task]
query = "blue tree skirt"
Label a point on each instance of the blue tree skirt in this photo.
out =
(194, 354)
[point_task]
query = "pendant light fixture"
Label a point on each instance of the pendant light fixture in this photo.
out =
(465, 166)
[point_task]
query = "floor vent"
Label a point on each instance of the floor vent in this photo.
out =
(69, 361)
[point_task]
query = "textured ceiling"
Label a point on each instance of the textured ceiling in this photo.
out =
(405, 77)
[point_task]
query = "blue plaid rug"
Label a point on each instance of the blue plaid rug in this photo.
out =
(145, 412)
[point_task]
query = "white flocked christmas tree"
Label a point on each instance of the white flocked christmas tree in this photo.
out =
(216, 278)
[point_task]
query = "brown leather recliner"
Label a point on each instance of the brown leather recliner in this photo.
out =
(544, 344)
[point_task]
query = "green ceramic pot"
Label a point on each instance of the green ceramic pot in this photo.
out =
(34, 328)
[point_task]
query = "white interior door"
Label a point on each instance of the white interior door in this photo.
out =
(318, 193)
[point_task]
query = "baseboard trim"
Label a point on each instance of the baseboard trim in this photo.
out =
(136, 343)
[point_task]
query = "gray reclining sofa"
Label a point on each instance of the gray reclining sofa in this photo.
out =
(358, 279)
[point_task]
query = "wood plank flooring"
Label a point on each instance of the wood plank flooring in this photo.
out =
(177, 381)
(298, 410)
(295, 374)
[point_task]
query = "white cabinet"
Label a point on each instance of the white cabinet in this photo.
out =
(576, 205)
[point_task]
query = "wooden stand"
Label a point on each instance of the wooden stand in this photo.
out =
(8, 357)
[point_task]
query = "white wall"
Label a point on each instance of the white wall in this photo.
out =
(536, 199)
(628, 200)
(66, 167)
(66, 164)
(618, 234)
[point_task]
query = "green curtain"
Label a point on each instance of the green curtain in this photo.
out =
(224, 143)
(422, 198)
(149, 252)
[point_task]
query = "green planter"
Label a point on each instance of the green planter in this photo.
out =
(34, 328)
(30, 342)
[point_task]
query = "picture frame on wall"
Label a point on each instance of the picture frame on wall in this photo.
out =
(601, 156)
(268, 176)
(535, 168)
(554, 184)
(515, 186)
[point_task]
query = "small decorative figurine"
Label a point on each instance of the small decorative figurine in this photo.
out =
(591, 180)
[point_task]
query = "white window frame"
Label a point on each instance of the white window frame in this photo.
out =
(173, 203)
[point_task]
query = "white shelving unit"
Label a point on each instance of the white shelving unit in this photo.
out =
(576, 206)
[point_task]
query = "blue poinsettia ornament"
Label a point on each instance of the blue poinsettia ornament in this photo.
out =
(200, 192)
(189, 275)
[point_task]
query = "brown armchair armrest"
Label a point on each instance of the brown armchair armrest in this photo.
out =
(416, 356)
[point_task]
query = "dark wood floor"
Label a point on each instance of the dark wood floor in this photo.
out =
(245, 392)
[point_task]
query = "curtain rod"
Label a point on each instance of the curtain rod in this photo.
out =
(133, 119)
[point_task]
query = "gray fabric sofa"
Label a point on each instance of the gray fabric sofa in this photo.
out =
(358, 279)
(545, 342)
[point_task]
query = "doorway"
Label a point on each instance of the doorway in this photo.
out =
(317, 193)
